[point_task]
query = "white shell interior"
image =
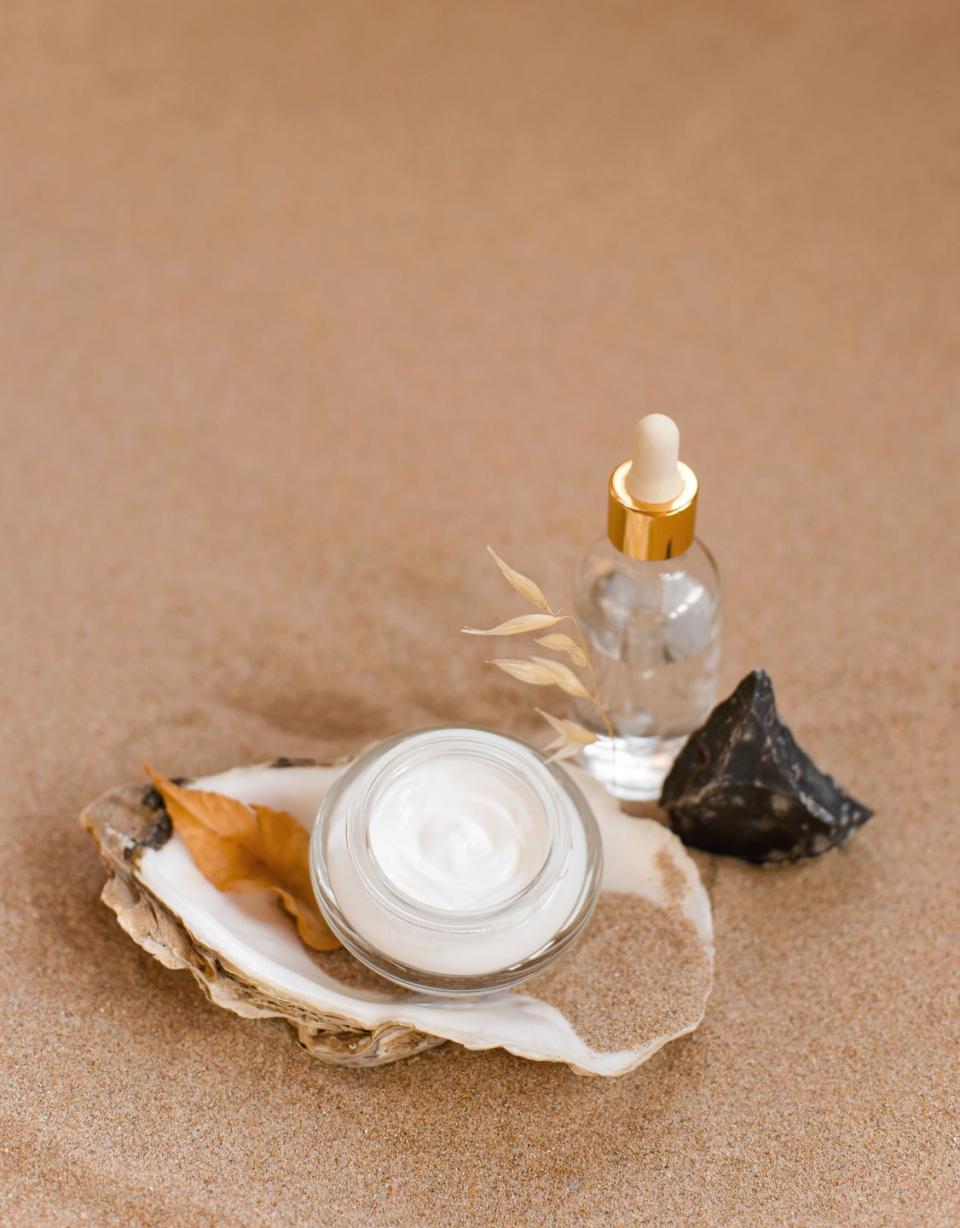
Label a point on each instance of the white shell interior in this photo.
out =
(249, 933)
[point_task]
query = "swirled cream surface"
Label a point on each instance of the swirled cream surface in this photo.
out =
(452, 833)
(455, 851)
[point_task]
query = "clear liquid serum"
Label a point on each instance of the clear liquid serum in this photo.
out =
(648, 600)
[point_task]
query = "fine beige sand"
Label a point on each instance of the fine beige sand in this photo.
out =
(302, 305)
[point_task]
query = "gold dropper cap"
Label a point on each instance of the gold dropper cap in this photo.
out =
(652, 498)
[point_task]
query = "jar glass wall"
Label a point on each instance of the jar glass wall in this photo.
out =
(455, 860)
(654, 632)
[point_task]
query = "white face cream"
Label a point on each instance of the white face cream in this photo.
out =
(450, 833)
(455, 860)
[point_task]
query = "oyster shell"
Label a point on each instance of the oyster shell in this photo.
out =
(638, 978)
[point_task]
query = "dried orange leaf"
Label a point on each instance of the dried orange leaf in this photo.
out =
(563, 676)
(522, 584)
(517, 626)
(245, 848)
(558, 642)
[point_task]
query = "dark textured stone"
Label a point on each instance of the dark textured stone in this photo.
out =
(741, 785)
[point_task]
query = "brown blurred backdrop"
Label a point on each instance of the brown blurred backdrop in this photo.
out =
(304, 303)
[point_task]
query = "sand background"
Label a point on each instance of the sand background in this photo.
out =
(302, 304)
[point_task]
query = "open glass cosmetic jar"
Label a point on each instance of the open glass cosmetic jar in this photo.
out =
(455, 860)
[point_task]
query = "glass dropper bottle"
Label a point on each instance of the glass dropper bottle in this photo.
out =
(647, 596)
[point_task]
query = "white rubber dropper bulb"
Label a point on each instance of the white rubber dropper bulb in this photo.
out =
(653, 476)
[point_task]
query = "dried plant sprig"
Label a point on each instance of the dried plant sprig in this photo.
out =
(567, 744)
(523, 585)
(540, 671)
(525, 671)
(544, 671)
(564, 677)
(558, 642)
(567, 751)
(517, 626)
(567, 730)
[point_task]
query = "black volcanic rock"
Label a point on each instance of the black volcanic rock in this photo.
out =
(741, 785)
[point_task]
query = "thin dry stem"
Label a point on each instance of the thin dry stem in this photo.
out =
(594, 685)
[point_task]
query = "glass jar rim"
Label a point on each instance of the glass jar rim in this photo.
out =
(338, 888)
(506, 754)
